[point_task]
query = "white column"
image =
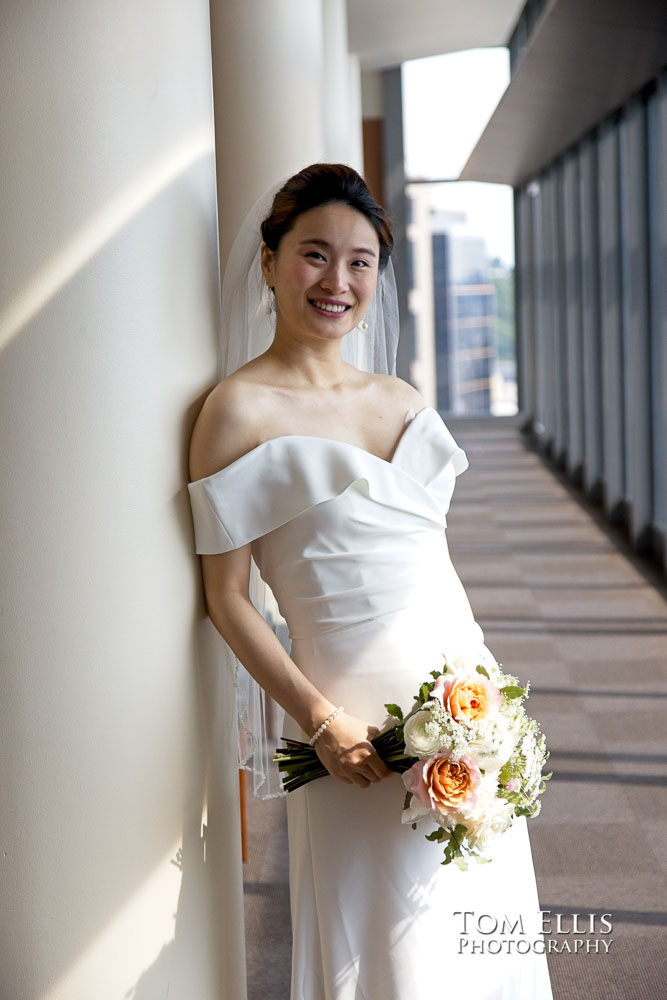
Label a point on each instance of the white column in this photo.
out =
(355, 132)
(267, 77)
(108, 316)
(341, 89)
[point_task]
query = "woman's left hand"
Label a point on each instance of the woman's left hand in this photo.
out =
(346, 751)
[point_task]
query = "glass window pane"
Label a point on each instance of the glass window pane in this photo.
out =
(461, 298)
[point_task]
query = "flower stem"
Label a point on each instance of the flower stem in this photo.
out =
(301, 764)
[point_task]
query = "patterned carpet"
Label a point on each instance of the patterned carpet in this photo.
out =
(563, 603)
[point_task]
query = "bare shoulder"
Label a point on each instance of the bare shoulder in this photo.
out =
(397, 394)
(227, 427)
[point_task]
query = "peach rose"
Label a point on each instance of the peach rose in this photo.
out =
(468, 698)
(444, 785)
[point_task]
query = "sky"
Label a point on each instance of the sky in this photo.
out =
(447, 101)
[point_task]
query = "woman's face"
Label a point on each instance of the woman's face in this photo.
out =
(324, 272)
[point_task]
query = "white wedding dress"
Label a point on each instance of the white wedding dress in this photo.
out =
(354, 550)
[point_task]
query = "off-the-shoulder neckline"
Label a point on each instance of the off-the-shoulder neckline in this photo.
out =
(325, 440)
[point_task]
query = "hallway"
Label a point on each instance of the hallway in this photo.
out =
(563, 605)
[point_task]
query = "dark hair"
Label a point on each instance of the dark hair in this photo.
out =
(321, 184)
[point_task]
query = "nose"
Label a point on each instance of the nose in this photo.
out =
(334, 279)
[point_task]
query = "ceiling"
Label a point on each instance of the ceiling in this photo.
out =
(386, 33)
(583, 61)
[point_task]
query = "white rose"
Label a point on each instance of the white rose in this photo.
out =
(489, 823)
(466, 665)
(419, 742)
(494, 747)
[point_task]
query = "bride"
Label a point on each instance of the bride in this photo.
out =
(335, 482)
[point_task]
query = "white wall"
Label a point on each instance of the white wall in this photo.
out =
(119, 835)
(108, 317)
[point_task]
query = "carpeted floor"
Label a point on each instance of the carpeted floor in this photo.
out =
(563, 604)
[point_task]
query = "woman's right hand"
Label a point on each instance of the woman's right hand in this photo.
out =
(346, 751)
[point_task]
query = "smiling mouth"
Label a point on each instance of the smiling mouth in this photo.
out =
(331, 308)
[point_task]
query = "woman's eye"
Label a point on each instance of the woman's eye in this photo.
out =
(361, 263)
(316, 254)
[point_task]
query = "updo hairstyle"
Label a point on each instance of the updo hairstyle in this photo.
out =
(322, 184)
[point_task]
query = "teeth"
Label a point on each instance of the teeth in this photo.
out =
(329, 307)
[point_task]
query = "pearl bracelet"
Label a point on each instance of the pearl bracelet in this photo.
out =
(315, 737)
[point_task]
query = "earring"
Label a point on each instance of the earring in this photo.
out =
(363, 326)
(272, 301)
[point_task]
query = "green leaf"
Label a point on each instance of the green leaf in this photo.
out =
(425, 692)
(513, 691)
(395, 710)
(505, 773)
(452, 851)
(482, 670)
(408, 800)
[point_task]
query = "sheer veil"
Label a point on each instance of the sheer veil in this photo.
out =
(246, 331)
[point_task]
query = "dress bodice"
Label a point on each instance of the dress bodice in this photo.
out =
(339, 534)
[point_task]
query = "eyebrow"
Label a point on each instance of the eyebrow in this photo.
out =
(323, 243)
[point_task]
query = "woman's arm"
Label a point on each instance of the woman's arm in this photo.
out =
(344, 748)
(226, 581)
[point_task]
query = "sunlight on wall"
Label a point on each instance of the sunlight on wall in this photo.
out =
(100, 228)
(139, 930)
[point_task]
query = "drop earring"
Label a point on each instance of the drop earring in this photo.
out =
(271, 302)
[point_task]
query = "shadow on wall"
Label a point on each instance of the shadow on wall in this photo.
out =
(196, 962)
(186, 958)
(206, 957)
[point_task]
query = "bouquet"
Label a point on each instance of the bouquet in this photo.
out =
(470, 757)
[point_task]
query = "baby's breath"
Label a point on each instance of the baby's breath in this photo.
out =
(453, 735)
